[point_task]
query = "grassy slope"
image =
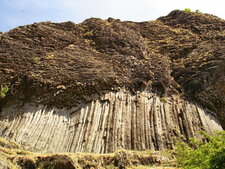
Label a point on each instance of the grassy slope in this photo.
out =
(13, 156)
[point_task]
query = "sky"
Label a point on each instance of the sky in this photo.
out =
(15, 13)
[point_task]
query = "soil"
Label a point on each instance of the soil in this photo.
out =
(62, 64)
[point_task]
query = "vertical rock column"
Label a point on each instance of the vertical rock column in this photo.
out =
(118, 120)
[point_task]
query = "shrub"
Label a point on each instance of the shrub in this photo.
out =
(163, 99)
(187, 10)
(208, 155)
(3, 91)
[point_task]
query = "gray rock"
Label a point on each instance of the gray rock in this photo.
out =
(118, 120)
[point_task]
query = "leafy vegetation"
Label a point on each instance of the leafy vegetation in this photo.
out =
(187, 10)
(207, 155)
(163, 99)
(3, 91)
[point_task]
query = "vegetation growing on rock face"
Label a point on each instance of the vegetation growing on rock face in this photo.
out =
(207, 155)
(3, 91)
(187, 9)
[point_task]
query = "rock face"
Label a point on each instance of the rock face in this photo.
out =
(118, 120)
(106, 84)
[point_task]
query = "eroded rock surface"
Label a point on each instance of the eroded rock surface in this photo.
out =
(159, 80)
(119, 120)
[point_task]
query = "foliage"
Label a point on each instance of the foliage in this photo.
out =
(206, 155)
(187, 10)
(3, 91)
(36, 60)
(163, 99)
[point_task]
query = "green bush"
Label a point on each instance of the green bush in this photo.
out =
(187, 10)
(207, 155)
(3, 91)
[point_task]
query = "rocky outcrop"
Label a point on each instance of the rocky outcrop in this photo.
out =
(102, 85)
(118, 120)
(200, 67)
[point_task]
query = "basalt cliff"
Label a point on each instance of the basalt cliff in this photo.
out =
(104, 85)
